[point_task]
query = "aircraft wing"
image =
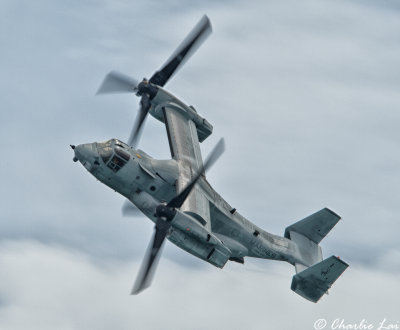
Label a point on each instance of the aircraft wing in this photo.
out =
(185, 149)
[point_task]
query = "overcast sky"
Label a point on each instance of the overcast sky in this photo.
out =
(306, 95)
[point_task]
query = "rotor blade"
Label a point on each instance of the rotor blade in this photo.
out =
(151, 258)
(141, 116)
(116, 82)
(130, 210)
(183, 52)
(218, 150)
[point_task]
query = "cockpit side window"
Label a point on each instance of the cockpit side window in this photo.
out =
(114, 154)
(116, 163)
(119, 159)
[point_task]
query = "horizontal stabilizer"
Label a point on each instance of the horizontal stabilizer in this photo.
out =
(316, 280)
(316, 226)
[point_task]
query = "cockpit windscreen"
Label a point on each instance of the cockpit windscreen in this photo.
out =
(114, 153)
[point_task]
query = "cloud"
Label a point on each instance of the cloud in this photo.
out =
(49, 287)
(306, 96)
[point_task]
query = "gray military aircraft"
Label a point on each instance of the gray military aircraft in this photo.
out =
(176, 196)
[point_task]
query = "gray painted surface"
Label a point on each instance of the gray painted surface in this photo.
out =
(206, 225)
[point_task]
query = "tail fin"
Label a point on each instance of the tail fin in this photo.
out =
(310, 281)
(316, 280)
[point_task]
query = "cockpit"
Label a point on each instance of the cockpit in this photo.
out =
(114, 153)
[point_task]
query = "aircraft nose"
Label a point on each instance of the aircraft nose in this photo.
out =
(86, 154)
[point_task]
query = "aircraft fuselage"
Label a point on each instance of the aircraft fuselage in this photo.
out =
(147, 182)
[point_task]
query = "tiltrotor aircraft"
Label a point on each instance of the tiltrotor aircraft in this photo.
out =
(176, 196)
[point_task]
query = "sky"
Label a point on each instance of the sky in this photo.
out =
(305, 95)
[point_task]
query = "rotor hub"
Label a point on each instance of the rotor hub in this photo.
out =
(166, 212)
(145, 87)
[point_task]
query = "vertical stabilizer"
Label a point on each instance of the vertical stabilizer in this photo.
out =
(314, 276)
